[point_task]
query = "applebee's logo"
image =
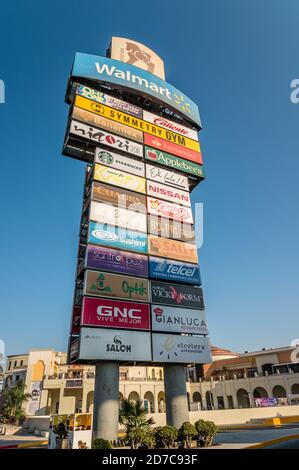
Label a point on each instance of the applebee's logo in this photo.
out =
(169, 210)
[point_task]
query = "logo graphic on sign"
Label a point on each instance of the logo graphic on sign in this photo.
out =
(174, 149)
(178, 320)
(177, 294)
(169, 228)
(172, 249)
(166, 159)
(115, 314)
(119, 178)
(170, 125)
(175, 180)
(181, 349)
(108, 214)
(174, 271)
(105, 138)
(119, 162)
(117, 237)
(167, 193)
(169, 210)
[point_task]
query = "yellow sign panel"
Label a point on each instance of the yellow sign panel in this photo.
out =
(134, 53)
(119, 178)
(136, 123)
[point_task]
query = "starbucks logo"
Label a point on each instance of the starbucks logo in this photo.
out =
(105, 157)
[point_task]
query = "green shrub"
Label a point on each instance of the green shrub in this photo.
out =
(149, 440)
(101, 444)
(206, 431)
(166, 436)
(135, 437)
(186, 433)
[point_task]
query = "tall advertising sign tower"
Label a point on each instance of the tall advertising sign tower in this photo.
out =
(138, 297)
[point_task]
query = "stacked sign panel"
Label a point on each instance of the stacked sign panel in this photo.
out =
(138, 294)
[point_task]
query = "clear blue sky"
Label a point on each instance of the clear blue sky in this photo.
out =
(236, 59)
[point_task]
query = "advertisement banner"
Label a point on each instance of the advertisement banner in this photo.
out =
(172, 148)
(175, 180)
(115, 314)
(119, 162)
(119, 197)
(170, 125)
(175, 163)
(134, 53)
(178, 320)
(169, 210)
(108, 214)
(181, 349)
(165, 192)
(114, 345)
(98, 257)
(118, 286)
(76, 317)
(119, 178)
(108, 100)
(34, 400)
(106, 124)
(131, 77)
(172, 249)
(170, 270)
(116, 237)
(177, 295)
(137, 124)
(168, 228)
(105, 138)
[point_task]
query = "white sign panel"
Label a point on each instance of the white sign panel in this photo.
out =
(181, 349)
(119, 162)
(108, 214)
(34, 400)
(105, 138)
(114, 345)
(169, 210)
(170, 194)
(178, 320)
(161, 175)
(170, 125)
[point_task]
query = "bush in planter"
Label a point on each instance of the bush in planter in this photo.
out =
(62, 435)
(166, 436)
(101, 444)
(186, 433)
(206, 431)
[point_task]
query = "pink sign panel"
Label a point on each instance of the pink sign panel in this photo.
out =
(115, 314)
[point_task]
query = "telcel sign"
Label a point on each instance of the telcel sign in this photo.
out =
(170, 270)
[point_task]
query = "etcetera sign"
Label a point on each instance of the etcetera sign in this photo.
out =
(131, 77)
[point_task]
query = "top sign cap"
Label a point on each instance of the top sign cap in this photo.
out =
(134, 53)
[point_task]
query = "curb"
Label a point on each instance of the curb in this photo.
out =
(25, 445)
(264, 444)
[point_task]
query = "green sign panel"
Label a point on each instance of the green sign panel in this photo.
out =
(174, 162)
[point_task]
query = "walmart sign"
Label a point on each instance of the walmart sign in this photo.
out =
(129, 76)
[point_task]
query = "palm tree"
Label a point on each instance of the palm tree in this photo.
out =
(12, 402)
(133, 416)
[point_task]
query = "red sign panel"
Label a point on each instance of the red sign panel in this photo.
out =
(172, 148)
(115, 314)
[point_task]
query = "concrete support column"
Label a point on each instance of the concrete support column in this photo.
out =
(175, 394)
(105, 410)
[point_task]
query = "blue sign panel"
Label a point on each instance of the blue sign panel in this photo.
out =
(129, 76)
(117, 237)
(174, 271)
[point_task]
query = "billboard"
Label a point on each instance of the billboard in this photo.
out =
(114, 345)
(119, 178)
(117, 237)
(175, 163)
(178, 320)
(104, 123)
(131, 77)
(108, 214)
(108, 100)
(181, 349)
(169, 210)
(99, 257)
(137, 124)
(169, 194)
(35, 397)
(115, 314)
(105, 138)
(173, 249)
(170, 125)
(104, 284)
(170, 229)
(178, 295)
(170, 270)
(183, 152)
(119, 162)
(156, 173)
(134, 53)
(120, 197)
